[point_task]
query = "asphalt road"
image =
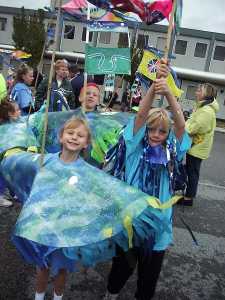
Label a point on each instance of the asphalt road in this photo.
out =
(213, 169)
(189, 272)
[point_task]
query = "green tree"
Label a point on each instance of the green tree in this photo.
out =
(29, 34)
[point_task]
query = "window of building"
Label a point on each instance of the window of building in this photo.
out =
(105, 37)
(142, 41)
(190, 94)
(200, 50)
(181, 47)
(219, 53)
(84, 35)
(123, 40)
(161, 43)
(69, 32)
(3, 22)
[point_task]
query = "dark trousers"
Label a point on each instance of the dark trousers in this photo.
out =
(148, 269)
(193, 165)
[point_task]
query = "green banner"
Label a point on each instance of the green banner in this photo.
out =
(107, 60)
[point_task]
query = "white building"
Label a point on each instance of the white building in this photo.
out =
(201, 52)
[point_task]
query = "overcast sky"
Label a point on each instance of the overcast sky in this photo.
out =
(198, 14)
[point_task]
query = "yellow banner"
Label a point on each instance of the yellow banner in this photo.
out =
(148, 68)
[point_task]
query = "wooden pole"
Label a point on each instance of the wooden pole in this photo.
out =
(168, 47)
(49, 85)
(85, 73)
(170, 30)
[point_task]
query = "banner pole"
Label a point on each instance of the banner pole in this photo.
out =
(56, 38)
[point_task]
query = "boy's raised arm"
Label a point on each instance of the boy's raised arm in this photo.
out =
(146, 103)
(161, 87)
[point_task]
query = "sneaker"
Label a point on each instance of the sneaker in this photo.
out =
(109, 296)
(4, 202)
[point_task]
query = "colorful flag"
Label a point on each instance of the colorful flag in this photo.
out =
(107, 60)
(158, 10)
(78, 9)
(149, 11)
(148, 68)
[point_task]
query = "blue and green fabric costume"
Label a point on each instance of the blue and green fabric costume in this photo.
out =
(74, 212)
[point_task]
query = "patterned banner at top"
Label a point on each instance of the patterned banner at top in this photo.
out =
(107, 26)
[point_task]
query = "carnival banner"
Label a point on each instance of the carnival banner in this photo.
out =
(107, 26)
(107, 60)
(148, 68)
(78, 9)
(149, 11)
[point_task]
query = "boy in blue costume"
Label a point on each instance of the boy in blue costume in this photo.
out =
(153, 146)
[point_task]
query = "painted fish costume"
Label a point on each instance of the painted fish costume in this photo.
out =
(73, 212)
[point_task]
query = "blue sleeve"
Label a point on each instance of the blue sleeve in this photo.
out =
(182, 145)
(133, 141)
(23, 98)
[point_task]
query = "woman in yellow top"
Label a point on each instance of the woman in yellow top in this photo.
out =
(200, 126)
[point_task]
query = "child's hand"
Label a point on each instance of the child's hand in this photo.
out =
(162, 69)
(161, 87)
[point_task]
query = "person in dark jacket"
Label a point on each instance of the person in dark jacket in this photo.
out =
(62, 97)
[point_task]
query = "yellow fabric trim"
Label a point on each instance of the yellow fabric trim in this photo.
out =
(127, 223)
(108, 232)
(18, 150)
(32, 149)
(155, 202)
(13, 151)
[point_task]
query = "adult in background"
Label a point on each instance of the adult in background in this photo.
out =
(62, 96)
(21, 92)
(200, 126)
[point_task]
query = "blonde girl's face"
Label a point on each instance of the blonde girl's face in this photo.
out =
(74, 139)
(157, 134)
(28, 77)
(92, 98)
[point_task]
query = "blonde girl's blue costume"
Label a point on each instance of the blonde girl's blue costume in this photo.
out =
(151, 169)
(148, 168)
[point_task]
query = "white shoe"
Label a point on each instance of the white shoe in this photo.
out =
(109, 296)
(4, 202)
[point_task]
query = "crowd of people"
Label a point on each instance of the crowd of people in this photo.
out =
(153, 141)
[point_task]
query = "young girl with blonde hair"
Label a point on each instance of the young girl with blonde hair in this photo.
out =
(153, 146)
